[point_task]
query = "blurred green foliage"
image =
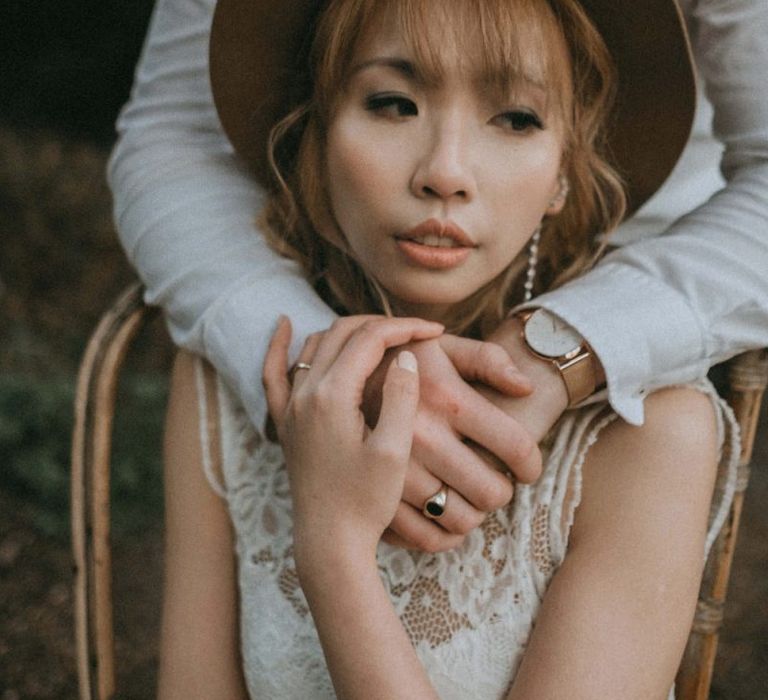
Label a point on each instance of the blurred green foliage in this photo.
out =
(35, 436)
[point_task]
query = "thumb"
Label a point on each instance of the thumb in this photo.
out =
(487, 363)
(399, 401)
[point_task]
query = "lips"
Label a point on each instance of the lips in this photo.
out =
(436, 245)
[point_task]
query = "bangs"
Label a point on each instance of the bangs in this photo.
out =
(503, 46)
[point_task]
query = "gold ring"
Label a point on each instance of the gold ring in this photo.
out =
(434, 506)
(296, 368)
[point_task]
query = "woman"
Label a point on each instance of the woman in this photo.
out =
(431, 149)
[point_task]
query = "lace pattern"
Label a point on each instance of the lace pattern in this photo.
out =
(468, 612)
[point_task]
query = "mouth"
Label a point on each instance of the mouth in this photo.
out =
(436, 245)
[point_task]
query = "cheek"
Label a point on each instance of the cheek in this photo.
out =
(357, 178)
(359, 187)
(530, 171)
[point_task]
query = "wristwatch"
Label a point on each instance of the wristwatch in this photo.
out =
(550, 338)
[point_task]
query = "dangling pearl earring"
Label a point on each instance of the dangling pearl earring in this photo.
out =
(533, 246)
(533, 258)
(563, 193)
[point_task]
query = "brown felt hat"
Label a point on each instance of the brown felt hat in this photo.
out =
(256, 47)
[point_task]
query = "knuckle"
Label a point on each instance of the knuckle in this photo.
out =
(493, 495)
(386, 451)
(313, 340)
(430, 541)
(439, 395)
(474, 519)
(341, 324)
(318, 398)
(525, 460)
(373, 327)
(466, 522)
(405, 384)
(491, 354)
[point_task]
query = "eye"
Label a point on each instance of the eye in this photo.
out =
(518, 120)
(389, 105)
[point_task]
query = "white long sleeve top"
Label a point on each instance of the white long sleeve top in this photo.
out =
(687, 288)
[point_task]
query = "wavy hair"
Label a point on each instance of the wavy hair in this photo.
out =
(503, 35)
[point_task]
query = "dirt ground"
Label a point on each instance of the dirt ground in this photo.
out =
(36, 639)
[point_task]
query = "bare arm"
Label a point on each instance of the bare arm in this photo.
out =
(199, 648)
(346, 483)
(616, 617)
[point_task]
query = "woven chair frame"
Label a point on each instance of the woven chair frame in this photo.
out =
(747, 380)
(90, 478)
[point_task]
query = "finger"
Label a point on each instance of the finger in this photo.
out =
(391, 537)
(277, 389)
(410, 525)
(486, 424)
(449, 460)
(459, 517)
(369, 334)
(365, 348)
(485, 362)
(399, 401)
(336, 336)
(299, 373)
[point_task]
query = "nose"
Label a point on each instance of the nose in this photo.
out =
(443, 170)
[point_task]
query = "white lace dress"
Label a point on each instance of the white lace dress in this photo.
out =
(468, 612)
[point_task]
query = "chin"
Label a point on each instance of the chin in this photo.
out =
(427, 303)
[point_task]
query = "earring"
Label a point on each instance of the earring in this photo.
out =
(533, 259)
(563, 193)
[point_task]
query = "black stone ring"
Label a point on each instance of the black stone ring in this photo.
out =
(434, 506)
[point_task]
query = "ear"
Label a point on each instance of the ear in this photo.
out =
(559, 196)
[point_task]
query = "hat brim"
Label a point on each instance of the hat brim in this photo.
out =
(254, 58)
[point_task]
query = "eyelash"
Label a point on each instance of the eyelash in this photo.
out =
(520, 120)
(382, 104)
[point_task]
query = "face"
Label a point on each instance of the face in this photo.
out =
(437, 184)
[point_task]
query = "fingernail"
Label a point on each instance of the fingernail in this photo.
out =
(407, 360)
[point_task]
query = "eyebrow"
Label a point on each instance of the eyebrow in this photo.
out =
(409, 70)
(401, 65)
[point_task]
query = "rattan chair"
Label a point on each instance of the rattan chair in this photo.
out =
(94, 412)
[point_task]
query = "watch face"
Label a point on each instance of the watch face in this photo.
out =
(548, 335)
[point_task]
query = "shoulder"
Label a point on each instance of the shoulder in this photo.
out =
(191, 447)
(182, 428)
(644, 481)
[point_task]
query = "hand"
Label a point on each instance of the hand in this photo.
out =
(453, 420)
(538, 411)
(346, 480)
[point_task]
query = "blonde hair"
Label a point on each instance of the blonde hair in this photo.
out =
(503, 33)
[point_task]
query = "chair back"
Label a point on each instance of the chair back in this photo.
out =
(747, 377)
(90, 478)
(91, 448)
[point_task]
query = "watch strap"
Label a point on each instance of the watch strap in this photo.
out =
(578, 372)
(578, 375)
